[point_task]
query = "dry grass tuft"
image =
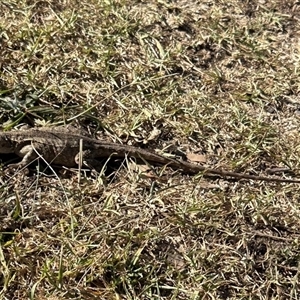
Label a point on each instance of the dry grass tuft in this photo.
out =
(215, 78)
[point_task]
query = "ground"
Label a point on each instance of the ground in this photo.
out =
(209, 81)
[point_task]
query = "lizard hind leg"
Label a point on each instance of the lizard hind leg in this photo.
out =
(85, 158)
(28, 156)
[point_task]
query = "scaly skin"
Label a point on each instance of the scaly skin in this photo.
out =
(61, 146)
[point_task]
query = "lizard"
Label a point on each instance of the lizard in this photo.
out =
(60, 146)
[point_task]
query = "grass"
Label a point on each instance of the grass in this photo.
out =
(219, 79)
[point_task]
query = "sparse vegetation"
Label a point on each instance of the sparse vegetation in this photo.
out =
(215, 78)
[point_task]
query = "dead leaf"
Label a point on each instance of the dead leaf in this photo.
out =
(140, 168)
(153, 135)
(196, 157)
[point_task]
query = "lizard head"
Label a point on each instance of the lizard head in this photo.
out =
(6, 144)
